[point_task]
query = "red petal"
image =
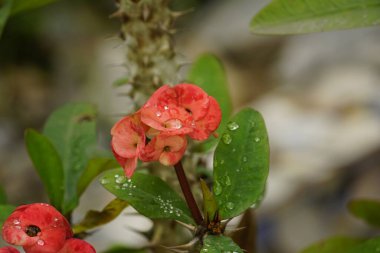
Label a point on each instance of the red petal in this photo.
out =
(77, 246)
(193, 99)
(54, 228)
(8, 250)
(204, 127)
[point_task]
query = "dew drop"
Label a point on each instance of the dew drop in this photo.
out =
(226, 138)
(230, 205)
(257, 139)
(233, 150)
(158, 114)
(16, 222)
(173, 124)
(217, 188)
(222, 162)
(232, 126)
(120, 180)
(40, 242)
(104, 181)
(227, 181)
(166, 107)
(245, 159)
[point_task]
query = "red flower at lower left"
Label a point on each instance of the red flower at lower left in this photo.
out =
(38, 228)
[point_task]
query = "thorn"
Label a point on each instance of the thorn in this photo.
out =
(176, 14)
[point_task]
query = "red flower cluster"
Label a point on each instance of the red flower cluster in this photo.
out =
(40, 228)
(167, 117)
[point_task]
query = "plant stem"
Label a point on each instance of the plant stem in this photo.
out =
(195, 212)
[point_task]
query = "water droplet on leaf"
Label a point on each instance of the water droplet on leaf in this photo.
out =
(226, 138)
(227, 180)
(104, 181)
(232, 126)
(120, 179)
(245, 159)
(230, 205)
(217, 188)
(158, 114)
(40, 242)
(257, 139)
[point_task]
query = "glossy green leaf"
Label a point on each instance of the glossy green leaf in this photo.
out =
(208, 73)
(95, 167)
(148, 194)
(218, 244)
(5, 12)
(300, 16)
(47, 164)
(25, 5)
(369, 246)
(333, 245)
(3, 196)
(367, 210)
(95, 218)
(5, 211)
(210, 207)
(241, 163)
(72, 131)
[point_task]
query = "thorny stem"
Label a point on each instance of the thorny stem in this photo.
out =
(194, 209)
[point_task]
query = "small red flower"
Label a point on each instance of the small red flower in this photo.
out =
(128, 138)
(77, 246)
(182, 109)
(167, 117)
(8, 250)
(39, 228)
(167, 149)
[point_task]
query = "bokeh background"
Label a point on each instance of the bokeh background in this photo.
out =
(319, 95)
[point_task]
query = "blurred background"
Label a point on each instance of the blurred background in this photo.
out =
(319, 95)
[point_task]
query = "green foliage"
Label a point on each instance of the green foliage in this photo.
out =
(148, 194)
(333, 245)
(5, 211)
(5, 11)
(217, 244)
(95, 218)
(367, 210)
(72, 131)
(11, 7)
(208, 73)
(3, 196)
(369, 246)
(241, 163)
(94, 167)
(300, 16)
(26, 5)
(48, 165)
(210, 206)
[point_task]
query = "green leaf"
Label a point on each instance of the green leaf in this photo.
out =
(367, 210)
(95, 218)
(72, 131)
(218, 244)
(369, 246)
(300, 16)
(5, 211)
(5, 11)
(3, 196)
(26, 5)
(241, 163)
(94, 168)
(148, 194)
(208, 73)
(47, 164)
(333, 245)
(210, 207)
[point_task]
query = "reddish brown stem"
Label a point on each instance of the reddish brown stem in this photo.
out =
(195, 212)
